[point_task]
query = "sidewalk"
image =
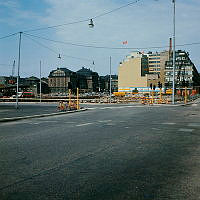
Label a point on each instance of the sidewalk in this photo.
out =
(8, 111)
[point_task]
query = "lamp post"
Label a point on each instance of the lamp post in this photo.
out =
(174, 51)
(18, 68)
(40, 83)
(110, 79)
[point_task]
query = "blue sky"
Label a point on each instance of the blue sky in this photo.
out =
(144, 24)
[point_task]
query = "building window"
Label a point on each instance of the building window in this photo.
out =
(154, 61)
(154, 58)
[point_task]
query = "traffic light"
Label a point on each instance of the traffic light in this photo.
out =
(183, 83)
(159, 84)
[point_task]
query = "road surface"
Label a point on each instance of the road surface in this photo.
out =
(117, 152)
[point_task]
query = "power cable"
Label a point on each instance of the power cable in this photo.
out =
(105, 47)
(90, 46)
(52, 50)
(6, 65)
(116, 9)
(41, 44)
(10, 35)
(84, 20)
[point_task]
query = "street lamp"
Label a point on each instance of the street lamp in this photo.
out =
(174, 51)
(59, 56)
(110, 80)
(19, 57)
(91, 24)
(40, 82)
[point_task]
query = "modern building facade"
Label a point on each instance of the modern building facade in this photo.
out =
(186, 73)
(157, 62)
(133, 73)
(154, 62)
(139, 70)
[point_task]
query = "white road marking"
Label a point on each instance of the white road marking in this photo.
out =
(157, 129)
(84, 124)
(110, 124)
(194, 124)
(4, 110)
(118, 107)
(34, 123)
(104, 121)
(49, 121)
(13, 123)
(169, 123)
(91, 108)
(185, 130)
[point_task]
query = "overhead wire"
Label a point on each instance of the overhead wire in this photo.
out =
(105, 47)
(116, 9)
(89, 46)
(84, 20)
(10, 35)
(6, 65)
(52, 50)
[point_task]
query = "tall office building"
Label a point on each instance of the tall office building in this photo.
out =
(140, 70)
(154, 62)
(186, 73)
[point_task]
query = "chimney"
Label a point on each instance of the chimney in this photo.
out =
(170, 44)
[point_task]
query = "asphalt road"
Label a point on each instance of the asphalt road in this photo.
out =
(108, 152)
(8, 110)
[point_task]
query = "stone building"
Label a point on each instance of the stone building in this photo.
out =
(105, 83)
(61, 80)
(88, 80)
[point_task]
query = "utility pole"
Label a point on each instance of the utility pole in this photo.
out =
(174, 51)
(18, 68)
(77, 106)
(13, 70)
(40, 83)
(110, 80)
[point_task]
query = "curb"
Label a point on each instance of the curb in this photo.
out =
(38, 116)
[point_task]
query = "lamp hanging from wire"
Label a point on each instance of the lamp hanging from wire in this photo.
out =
(59, 56)
(91, 24)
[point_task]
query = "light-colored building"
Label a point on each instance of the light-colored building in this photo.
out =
(154, 62)
(142, 71)
(139, 70)
(157, 62)
(133, 73)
